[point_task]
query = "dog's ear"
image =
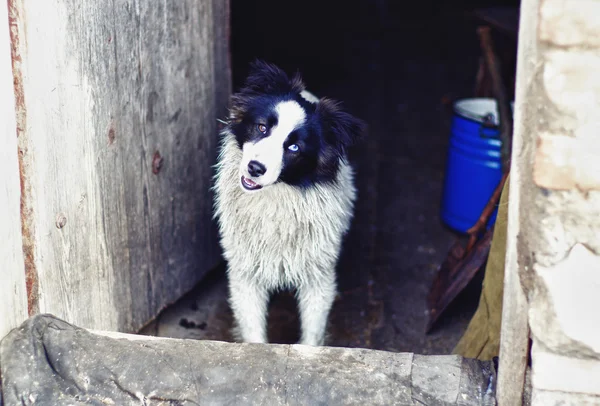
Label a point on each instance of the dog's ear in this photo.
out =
(264, 79)
(342, 130)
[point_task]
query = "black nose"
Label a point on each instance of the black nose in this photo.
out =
(256, 169)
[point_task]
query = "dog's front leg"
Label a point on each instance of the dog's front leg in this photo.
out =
(249, 304)
(314, 300)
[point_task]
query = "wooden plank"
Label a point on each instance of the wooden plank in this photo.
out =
(13, 297)
(120, 136)
(514, 339)
(222, 56)
(505, 19)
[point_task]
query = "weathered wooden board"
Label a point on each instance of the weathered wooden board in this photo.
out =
(514, 339)
(117, 134)
(13, 299)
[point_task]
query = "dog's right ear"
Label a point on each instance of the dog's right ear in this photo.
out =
(264, 79)
(342, 130)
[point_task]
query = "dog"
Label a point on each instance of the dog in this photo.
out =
(284, 199)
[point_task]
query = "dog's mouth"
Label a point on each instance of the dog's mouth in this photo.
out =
(249, 184)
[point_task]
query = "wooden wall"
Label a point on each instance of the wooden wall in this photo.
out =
(116, 120)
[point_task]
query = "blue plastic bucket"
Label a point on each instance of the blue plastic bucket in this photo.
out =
(473, 167)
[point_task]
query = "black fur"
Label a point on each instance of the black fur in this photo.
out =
(324, 138)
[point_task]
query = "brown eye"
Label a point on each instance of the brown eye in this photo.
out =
(262, 128)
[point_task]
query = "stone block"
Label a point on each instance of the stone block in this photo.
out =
(570, 22)
(565, 162)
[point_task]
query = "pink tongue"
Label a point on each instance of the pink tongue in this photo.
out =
(250, 182)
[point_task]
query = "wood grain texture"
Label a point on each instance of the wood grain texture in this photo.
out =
(107, 87)
(13, 296)
(514, 338)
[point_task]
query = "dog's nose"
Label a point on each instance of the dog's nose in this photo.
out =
(256, 169)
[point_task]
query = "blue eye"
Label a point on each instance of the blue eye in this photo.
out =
(294, 148)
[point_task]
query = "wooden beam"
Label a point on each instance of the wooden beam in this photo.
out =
(514, 338)
(13, 298)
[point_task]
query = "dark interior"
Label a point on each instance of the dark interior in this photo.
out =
(399, 66)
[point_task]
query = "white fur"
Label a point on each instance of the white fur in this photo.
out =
(280, 237)
(308, 96)
(269, 150)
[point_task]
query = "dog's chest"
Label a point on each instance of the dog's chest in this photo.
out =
(279, 220)
(281, 232)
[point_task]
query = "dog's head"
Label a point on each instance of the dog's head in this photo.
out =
(287, 134)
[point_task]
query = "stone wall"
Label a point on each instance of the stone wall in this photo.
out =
(554, 215)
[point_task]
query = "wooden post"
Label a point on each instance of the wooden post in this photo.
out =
(117, 105)
(514, 338)
(553, 258)
(13, 298)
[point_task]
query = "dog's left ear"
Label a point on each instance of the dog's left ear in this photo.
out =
(264, 79)
(342, 130)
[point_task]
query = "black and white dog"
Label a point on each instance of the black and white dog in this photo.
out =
(284, 198)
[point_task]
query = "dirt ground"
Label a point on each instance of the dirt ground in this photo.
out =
(399, 72)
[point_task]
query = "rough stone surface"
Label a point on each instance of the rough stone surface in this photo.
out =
(555, 204)
(563, 163)
(572, 85)
(563, 373)
(47, 361)
(548, 397)
(568, 23)
(565, 318)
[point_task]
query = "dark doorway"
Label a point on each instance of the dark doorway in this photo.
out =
(398, 65)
